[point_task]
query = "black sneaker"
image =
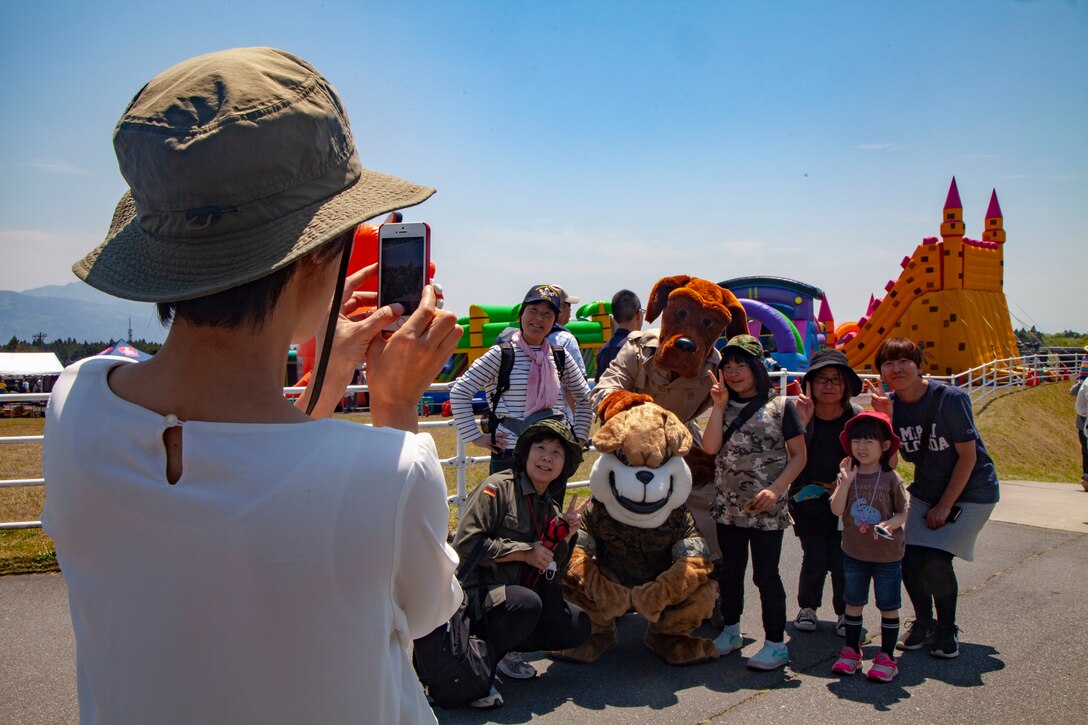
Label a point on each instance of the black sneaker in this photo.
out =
(946, 643)
(918, 633)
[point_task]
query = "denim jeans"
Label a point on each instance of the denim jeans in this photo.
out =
(887, 578)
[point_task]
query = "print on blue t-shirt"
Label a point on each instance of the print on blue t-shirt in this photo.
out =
(953, 423)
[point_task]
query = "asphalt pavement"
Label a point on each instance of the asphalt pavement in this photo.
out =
(1020, 661)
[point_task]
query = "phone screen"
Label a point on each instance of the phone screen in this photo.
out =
(402, 273)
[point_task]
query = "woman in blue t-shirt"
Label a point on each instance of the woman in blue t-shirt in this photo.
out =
(954, 490)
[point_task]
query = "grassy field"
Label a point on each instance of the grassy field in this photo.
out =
(1029, 433)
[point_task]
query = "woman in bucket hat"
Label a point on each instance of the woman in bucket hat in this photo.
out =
(228, 557)
(759, 446)
(516, 590)
(824, 406)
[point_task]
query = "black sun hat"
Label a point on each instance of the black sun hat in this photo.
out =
(836, 359)
(238, 163)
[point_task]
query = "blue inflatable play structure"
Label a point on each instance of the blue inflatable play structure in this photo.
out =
(782, 313)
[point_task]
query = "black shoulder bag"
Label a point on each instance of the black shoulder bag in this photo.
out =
(452, 663)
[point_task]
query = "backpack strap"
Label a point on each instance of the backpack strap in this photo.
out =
(506, 364)
(745, 413)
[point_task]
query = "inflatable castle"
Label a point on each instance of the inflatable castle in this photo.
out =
(949, 298)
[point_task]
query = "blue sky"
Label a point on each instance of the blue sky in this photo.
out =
(602, 145)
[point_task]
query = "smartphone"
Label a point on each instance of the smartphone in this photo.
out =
(953, 514)
(404, 255)
(882, 532)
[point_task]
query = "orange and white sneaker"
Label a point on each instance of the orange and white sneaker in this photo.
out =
(884, 668)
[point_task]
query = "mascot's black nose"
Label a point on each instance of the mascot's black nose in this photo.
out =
(683, 344)
(644, 476)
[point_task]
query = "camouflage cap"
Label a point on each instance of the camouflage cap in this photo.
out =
(550, 428)
(747, 344)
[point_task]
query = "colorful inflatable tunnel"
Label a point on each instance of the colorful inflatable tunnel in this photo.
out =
(789, 349)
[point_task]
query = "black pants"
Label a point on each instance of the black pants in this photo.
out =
(930, 582)
(531, 620)
(501, 461)
(766, 548)
(822, 556)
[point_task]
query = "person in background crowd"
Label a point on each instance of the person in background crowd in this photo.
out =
(627, 315)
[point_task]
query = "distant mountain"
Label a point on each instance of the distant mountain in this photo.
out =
(75, 310)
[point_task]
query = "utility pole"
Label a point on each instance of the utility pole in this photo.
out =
(39, 339)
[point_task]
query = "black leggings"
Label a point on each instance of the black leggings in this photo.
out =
(531, 620)
(766, 549)
(822, 555)
(930, 582)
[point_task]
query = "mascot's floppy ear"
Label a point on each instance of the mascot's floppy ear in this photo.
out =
(620, 400)
(738, 322)
(659, 295)
(678, 435)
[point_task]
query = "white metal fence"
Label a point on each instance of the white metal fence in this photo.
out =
(982, 383)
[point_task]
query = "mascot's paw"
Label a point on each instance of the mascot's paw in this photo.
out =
(648, 601)
(620, 400)
(680, 649)
(589, 651)
(701, 464)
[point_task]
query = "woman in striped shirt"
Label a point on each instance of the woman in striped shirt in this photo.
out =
(536, 386)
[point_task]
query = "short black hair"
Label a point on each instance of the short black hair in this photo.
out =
(759, 370)
(871, 430)
(249, 303)
(625, 305)
(899, 348)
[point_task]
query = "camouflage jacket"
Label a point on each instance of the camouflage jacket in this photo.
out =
(633, 555)
(507, 510)
(748, 463)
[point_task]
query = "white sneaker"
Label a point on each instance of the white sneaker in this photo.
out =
(805, 621)
(727, 642)
(769, 658)
(513, 666)
(490, 701)
(840, 628)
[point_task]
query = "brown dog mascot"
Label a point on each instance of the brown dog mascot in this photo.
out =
(639, 547)
(669, 366)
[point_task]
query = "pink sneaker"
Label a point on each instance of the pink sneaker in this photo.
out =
(884, 668)
(848, 662)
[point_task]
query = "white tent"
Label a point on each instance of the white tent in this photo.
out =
(29, 363)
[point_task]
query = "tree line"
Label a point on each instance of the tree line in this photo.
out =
(68, 350)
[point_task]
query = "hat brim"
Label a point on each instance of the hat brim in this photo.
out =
(136, 265)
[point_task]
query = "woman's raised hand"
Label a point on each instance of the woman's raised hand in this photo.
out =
(719, 393)
(573, 515)
(881, 402)
(805, 407)
(401, 367)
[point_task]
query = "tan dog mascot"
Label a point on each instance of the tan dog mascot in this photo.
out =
(669, 366)
(639, 547)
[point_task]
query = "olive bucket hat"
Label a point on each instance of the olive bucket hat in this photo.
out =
(550, 427)
(238, 163)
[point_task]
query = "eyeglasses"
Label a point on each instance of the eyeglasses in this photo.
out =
(828, 381)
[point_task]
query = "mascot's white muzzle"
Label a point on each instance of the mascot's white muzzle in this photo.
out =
(640, 496)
